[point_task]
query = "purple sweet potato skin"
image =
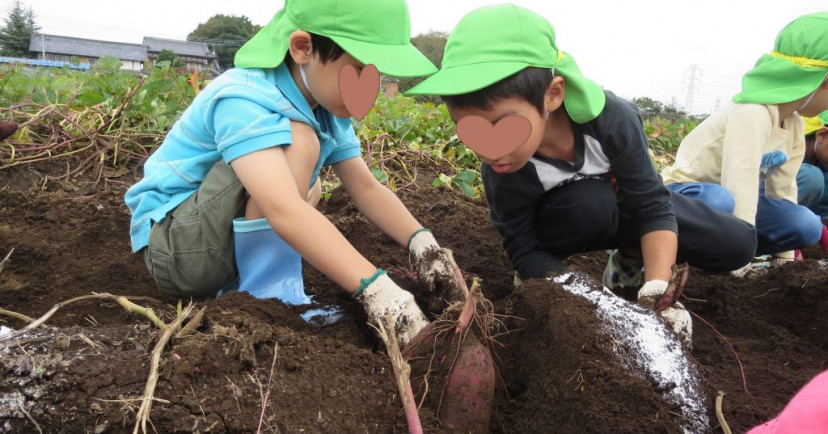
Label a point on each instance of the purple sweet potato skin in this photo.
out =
(467, 402)
(7, 129)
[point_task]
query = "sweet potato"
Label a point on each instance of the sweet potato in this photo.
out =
(453, 363)
(7, 129)
(467, 402)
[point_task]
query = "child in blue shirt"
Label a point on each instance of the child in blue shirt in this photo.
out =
(233, 188)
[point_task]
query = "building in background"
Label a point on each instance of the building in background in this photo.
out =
(58, 51)
(66, 49)
(193, 54)
(389, 86)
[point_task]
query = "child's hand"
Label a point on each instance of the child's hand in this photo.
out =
(675, 315)
(383, 295)
(433, 266)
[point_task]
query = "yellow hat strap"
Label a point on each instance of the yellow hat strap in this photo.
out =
(801, 61)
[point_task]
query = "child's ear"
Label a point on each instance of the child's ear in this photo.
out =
(822, 134)
(554, 94)
(301, 47)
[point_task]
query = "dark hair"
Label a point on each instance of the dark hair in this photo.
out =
(529, 84)
(324, 47)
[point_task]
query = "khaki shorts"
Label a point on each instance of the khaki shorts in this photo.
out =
(190, 252)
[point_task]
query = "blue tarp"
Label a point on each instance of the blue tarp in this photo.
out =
(48, 63)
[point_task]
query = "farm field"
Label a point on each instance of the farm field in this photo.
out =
(86, 369)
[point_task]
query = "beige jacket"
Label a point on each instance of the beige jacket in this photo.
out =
(727, 148)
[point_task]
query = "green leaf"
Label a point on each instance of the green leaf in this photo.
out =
(466, 176)
(379, 175)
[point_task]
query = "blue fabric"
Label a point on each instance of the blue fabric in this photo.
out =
(270, 268)
(780, 224)
(821, 207)
(240, 112)
(812, 183)
(772, 161)
(714, 195)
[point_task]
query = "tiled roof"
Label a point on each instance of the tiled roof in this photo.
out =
(181, 48)
(86, 47)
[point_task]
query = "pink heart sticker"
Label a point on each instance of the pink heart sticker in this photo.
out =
(359, 91)
(494, 141)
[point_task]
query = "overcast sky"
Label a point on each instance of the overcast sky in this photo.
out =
(635, 48)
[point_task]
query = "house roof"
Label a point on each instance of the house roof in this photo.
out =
(181, 48)
(86, 47)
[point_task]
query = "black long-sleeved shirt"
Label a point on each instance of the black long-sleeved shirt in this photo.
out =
(613, 144)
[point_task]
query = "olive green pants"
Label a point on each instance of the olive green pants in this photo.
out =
(190, 252)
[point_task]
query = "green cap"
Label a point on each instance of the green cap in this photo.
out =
(375, 32)
(494, 42)
(796, 67)
(824, 117)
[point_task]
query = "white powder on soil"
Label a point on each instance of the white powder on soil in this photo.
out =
(647, 348)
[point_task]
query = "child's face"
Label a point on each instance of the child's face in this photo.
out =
(323, 80)
(513, 106)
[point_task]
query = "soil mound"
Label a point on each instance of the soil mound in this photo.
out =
(84, 372)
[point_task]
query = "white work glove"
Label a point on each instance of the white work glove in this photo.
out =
(382, 295)
(434, 269)
(675, 315)
(759, 266)
(622, 270)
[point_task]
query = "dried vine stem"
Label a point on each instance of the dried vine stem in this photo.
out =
(6, 259)
(269, 388)
(155, 361)
(720, 415)
(36, 323)
(402, 374)
(19, 316)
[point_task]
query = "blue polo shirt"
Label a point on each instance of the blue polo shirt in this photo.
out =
(241, 111)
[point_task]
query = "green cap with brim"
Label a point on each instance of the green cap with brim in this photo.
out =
(375, 32)
(494, 42)
(794, 69)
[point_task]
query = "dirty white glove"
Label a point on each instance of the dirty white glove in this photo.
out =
(622, 270)
(433, 266)
(751, 270)
(675, 315)
(760, 265)
(379, 294)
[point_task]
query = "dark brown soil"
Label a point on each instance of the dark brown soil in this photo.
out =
(84, 372)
